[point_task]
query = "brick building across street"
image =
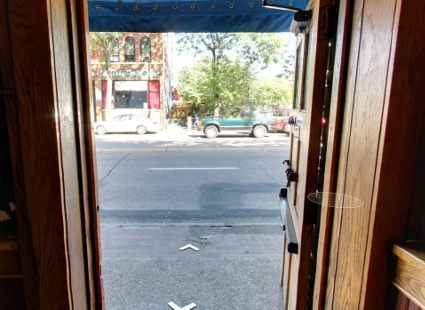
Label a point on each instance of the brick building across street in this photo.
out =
(141, 77)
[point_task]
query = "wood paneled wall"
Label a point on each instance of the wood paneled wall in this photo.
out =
(379, 154)
(44, 60)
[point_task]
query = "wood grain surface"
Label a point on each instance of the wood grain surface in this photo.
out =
(333, 147)
(377, 132)
(84, 85)
(40, 56)
(35, 157)
(68, 95)
(306, 153)
(361, 162)
(404, 303)
(344, 145)
(407, 272)
(400, 142)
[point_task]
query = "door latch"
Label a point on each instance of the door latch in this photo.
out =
(291, 175)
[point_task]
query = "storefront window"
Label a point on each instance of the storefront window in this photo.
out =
(131, 94)
(136, 94)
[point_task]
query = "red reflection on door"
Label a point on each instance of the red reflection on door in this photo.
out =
(154, 86)
(153, 94)
(154, 100)
(104, 90)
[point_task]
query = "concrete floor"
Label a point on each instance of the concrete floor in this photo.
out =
(210, 283)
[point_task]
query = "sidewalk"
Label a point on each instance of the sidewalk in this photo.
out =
(236, 268)
(164, 241)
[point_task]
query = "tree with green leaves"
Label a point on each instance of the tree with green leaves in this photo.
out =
(266, 93)
(263, 48)
(288, 60)
(106, 43)
(239, 92)
(201, 85)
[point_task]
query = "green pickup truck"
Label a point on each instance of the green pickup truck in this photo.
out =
(256, 127)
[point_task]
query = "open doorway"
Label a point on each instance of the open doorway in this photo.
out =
(50, 147)
(172, 186)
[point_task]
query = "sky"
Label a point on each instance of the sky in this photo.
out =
(186, 59)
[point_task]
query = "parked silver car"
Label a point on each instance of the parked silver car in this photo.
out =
(127, 123)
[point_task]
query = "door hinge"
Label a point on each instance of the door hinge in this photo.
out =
(97, 208)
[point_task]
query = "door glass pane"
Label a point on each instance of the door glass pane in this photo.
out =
(154, 100)
(154, 86)
(307, 74)
(298, 76)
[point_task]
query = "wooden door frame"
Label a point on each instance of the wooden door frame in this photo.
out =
(311, 135)
(402, 111)
(343, 36)
(45, 63)
(43, 137)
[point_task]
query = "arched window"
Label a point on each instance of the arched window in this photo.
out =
(145, 49)
(129, 49)
(115, 50)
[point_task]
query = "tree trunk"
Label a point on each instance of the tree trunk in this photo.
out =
(217, 105)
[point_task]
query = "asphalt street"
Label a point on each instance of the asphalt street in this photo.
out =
(183, 177)
(160, 192)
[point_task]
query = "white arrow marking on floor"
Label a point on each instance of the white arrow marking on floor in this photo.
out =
(189, 246)
(175, 307)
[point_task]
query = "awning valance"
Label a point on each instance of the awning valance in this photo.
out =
(190, 16)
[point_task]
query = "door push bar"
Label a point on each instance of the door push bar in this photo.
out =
(291, 175)
(288, 225)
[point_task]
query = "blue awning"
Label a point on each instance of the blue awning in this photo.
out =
(190, 16)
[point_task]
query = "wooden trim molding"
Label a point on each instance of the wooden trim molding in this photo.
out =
(88, 153)
(35, 180)
(335, 119)
(382, 125)
(45, 69)
(407, 271)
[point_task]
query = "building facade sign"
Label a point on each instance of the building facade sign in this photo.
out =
(131, 85)
(132, 73)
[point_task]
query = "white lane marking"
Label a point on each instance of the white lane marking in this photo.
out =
(218, 168)
(189, 246)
